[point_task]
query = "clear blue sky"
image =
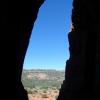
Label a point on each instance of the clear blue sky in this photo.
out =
(49, 48)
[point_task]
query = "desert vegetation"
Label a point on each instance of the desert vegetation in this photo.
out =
(42, 84)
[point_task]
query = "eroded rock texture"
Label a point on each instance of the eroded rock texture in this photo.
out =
(82, 74)
(17, 18)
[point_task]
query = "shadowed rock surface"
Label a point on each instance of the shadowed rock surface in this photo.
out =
(82, 74)
(17, 19)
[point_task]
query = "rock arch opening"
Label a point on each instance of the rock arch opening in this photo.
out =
(49, 37)
(48, 48)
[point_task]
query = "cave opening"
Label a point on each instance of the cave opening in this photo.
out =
(48, 49)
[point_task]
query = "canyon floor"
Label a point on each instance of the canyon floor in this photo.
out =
(44, 95)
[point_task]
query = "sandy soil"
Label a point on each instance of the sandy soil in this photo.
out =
(48, 95)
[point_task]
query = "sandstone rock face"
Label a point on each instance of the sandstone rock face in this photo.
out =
(82, 74)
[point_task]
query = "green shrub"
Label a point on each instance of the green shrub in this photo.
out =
(44, 96)
(29, 91)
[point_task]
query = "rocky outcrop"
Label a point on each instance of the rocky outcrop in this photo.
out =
(82, 74)
(17, 19)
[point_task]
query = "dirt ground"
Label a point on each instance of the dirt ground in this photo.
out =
(48, 95)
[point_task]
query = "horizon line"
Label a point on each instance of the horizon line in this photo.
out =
(43, 69)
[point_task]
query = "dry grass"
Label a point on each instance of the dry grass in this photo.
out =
(44, 95)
